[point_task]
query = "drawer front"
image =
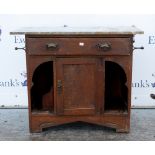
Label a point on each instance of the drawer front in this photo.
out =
(78, 46)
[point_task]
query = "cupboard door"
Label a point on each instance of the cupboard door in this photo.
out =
(79, 88)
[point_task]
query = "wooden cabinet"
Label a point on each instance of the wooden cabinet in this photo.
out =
(79, 77)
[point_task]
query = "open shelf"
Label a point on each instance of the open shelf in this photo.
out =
(42, 92)
(116, 92)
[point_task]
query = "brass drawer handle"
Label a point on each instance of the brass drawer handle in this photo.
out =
(52, 46)
(104, 46)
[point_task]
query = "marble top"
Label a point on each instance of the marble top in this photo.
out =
(77, 30)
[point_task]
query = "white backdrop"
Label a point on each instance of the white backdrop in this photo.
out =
(13, 90)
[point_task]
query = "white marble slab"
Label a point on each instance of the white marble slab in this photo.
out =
(77, 30)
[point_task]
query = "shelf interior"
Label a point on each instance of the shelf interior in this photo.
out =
(116, 91)
(42, 92)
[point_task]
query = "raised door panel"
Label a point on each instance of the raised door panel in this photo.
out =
(78, 86)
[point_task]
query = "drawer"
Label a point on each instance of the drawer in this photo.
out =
(78, 46)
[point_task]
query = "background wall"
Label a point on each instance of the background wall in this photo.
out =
(13, 90)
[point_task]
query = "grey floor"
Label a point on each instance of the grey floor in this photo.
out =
(14, 126)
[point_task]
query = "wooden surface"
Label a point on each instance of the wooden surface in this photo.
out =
(78, 46)
(87, 84)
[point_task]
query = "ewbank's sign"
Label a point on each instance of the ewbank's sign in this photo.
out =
(11, 82)
(13, 79)
(151, 39)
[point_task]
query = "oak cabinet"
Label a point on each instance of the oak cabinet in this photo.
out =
(79, 77)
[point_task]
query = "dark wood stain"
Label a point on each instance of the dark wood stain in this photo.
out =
(79, 82)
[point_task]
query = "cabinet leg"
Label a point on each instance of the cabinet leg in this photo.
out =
(35, 129)
(122, 130)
